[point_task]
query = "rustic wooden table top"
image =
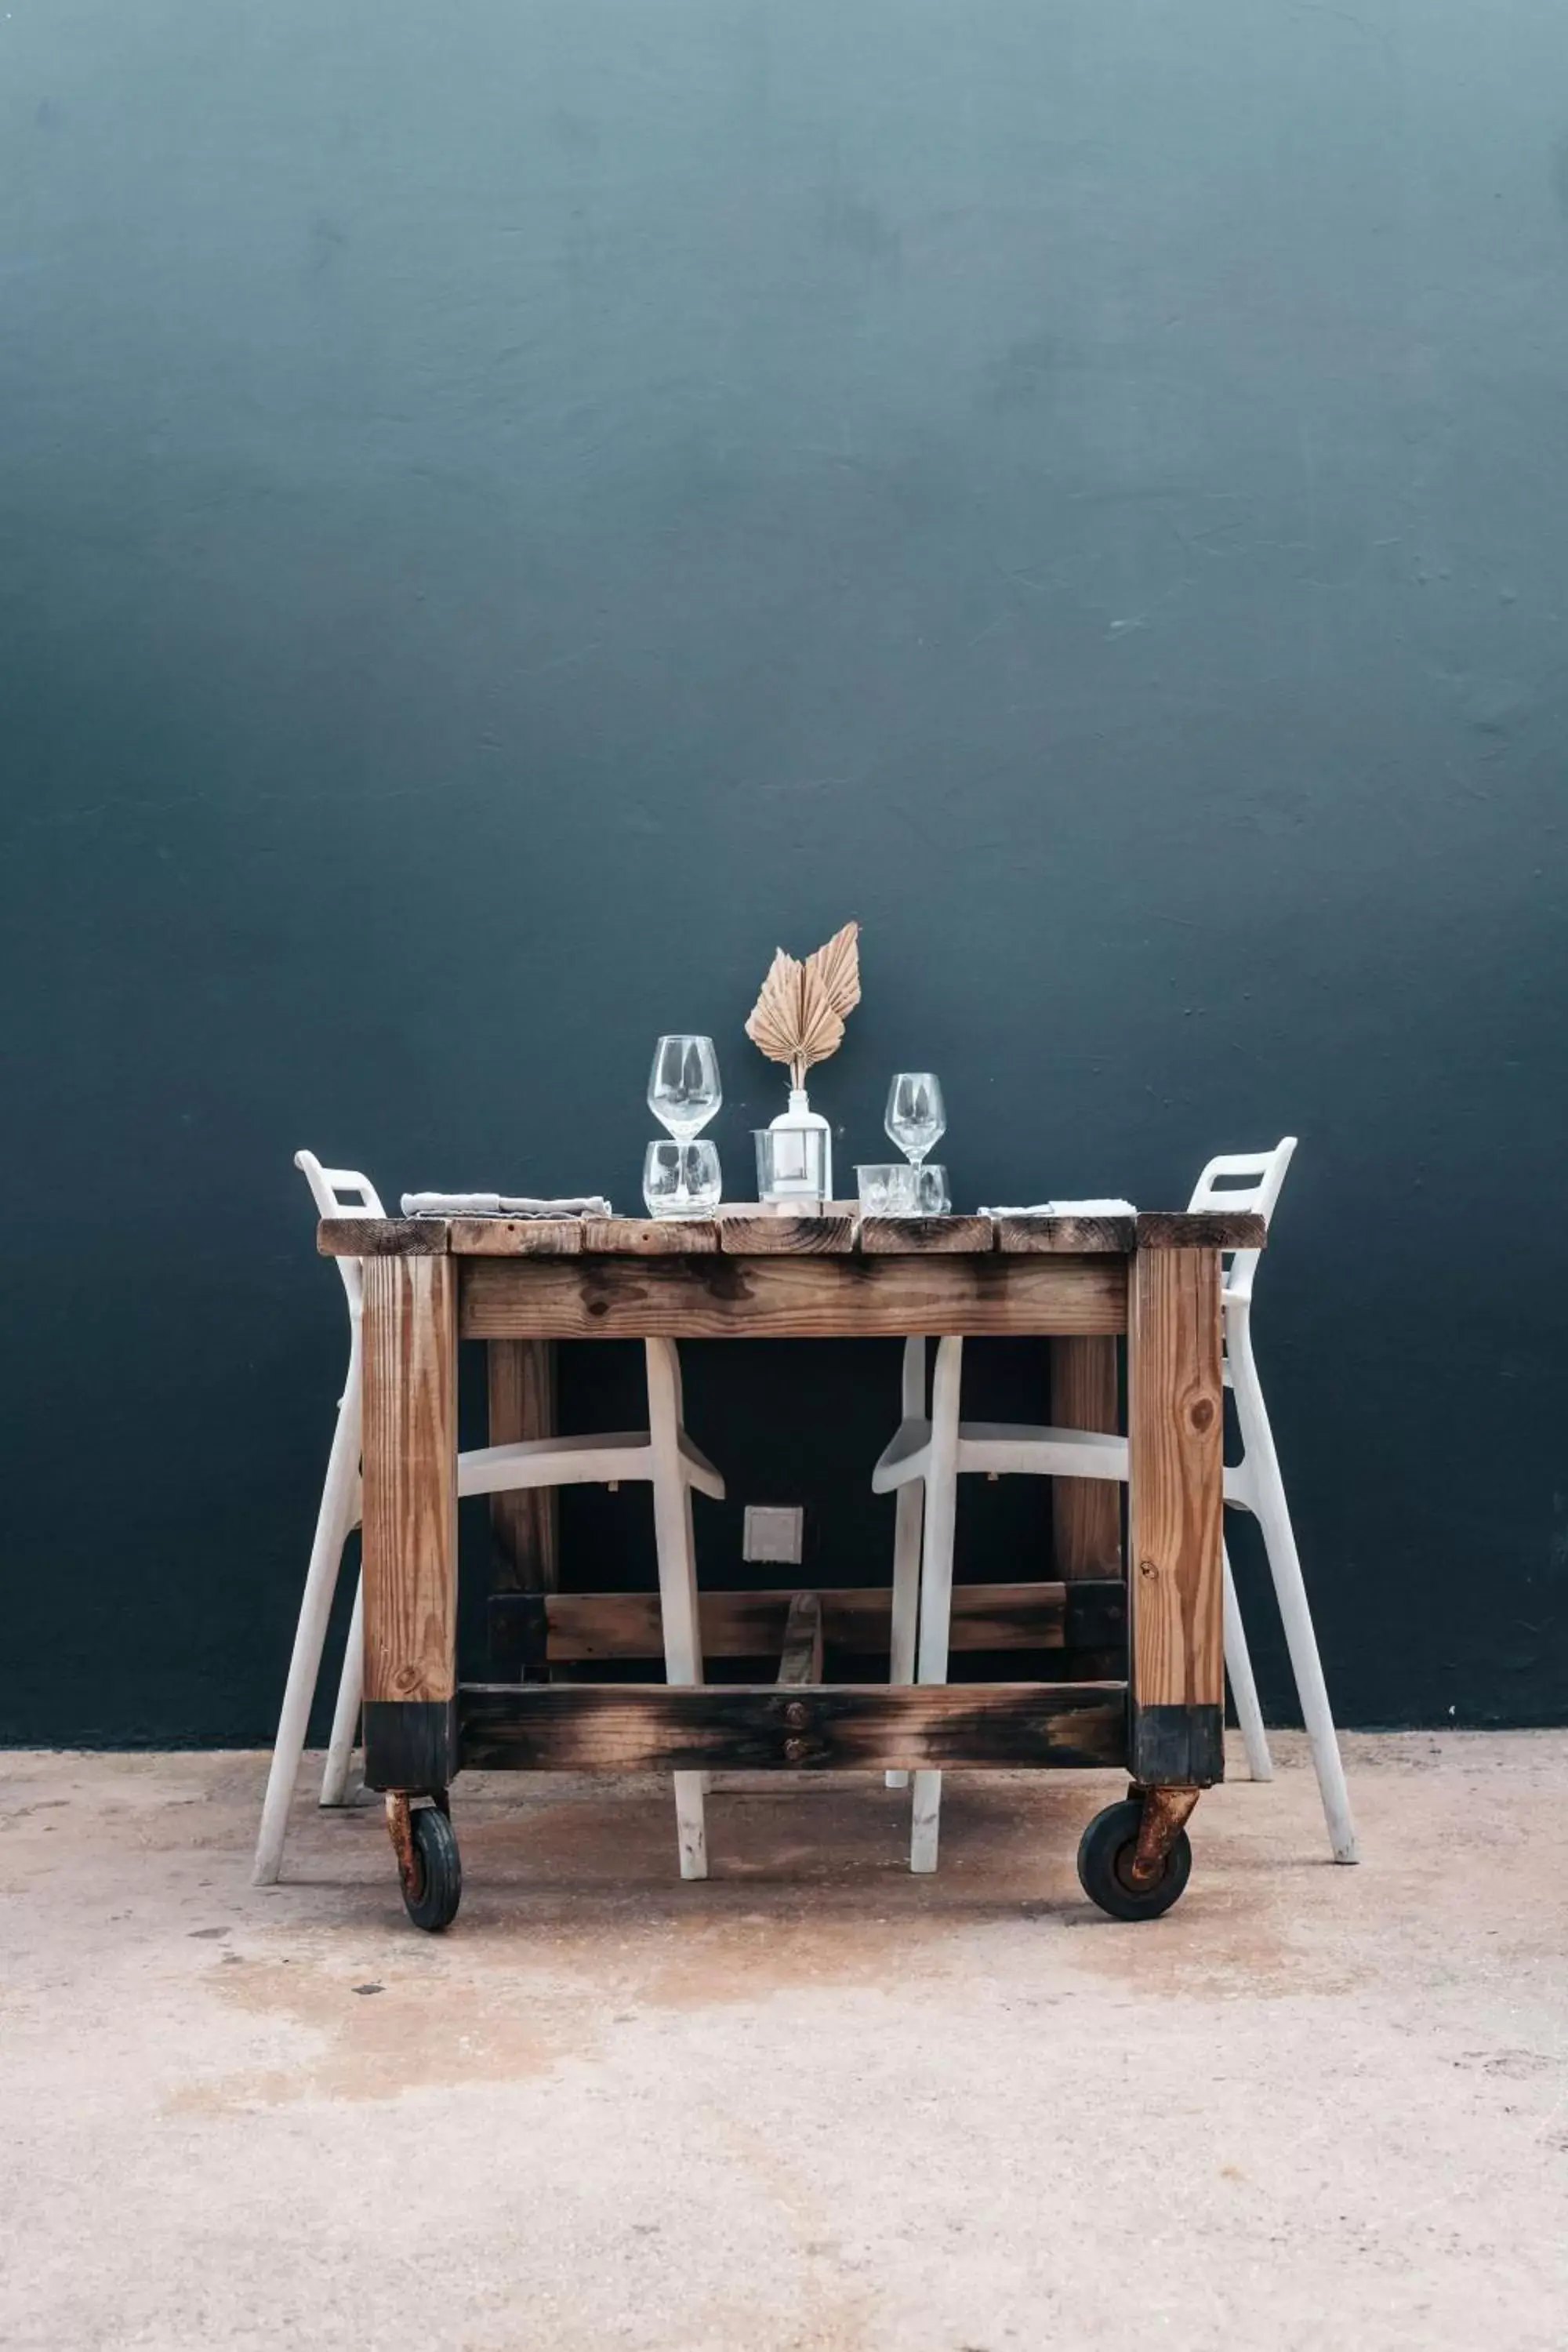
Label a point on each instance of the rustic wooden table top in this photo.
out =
(745, 1231)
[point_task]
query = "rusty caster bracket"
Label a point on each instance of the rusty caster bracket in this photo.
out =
(1165, 1814)
(400, 1808)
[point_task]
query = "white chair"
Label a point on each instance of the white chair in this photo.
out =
(662, 1454)
(930, 1454)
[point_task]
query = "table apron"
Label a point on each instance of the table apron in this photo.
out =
(789, 1298)
(624, 1727)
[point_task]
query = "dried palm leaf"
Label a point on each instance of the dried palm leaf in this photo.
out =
(773, 1023)
(821, 1028)
(795, 1019)
(838, 966)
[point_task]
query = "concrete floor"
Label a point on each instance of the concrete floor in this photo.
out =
(815, 2104)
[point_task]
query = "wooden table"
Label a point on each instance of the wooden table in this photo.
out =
(1087, 1283)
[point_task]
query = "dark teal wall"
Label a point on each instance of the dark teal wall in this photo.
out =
(508, 512)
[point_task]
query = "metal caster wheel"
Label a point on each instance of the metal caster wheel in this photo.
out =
(429, 1867)
(1105, 1865)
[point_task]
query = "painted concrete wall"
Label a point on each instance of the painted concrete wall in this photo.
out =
(508, 513)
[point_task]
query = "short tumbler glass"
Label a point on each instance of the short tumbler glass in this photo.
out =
(891, 1189)
(886, 1189)
(681, 1179)
(933, 1198)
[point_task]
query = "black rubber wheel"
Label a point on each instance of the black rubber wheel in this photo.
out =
(432, 1900)
(1105, 1863)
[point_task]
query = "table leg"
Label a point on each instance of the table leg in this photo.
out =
(410, 1524)
(1177, 1690)
(525, 1522)
(1086, 1512)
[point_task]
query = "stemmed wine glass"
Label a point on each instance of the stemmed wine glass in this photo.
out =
(915, 1118)
(683, 1090)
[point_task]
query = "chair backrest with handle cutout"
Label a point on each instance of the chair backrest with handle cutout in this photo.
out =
(341, 1192)
(1243, 1180)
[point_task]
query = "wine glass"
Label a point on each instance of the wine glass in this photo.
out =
(915, 1118)
(683, 1090)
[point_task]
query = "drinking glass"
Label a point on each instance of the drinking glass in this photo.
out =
(915, 1118)
(886, 1189)
(683, 1090)
(680, 1178)
(933, 1198)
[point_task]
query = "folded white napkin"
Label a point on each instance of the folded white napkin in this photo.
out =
(1068, 1209)
(500, 1204)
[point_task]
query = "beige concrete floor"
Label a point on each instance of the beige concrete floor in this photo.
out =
(813, 2103)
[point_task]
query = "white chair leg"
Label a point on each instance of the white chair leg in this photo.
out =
(1291, 1591)
(677, 1581)
(1265, 1492)
(333, 1522)
(1242, 1687)
(936, 1580)
(906, 1593)
(345, 1716)
(906, 1610)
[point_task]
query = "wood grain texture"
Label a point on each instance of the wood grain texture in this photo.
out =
(921, 1237)
(761, 1236)
(583, 1627)
(652, 1236)
(516, 1236)
(1176, 1434)
(1086, 1513)
(523, 1524)
(410, 1527)
(1224, 1229)
(1074, 1236)
(800, 1659)
(881, 1236)
(620, 1728)
(789, 1298)
(381, 1236)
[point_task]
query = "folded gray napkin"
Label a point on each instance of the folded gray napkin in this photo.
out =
(1068, 1209)
(500, 1205)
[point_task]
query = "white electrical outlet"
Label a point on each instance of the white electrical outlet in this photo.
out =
(773, 1531)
